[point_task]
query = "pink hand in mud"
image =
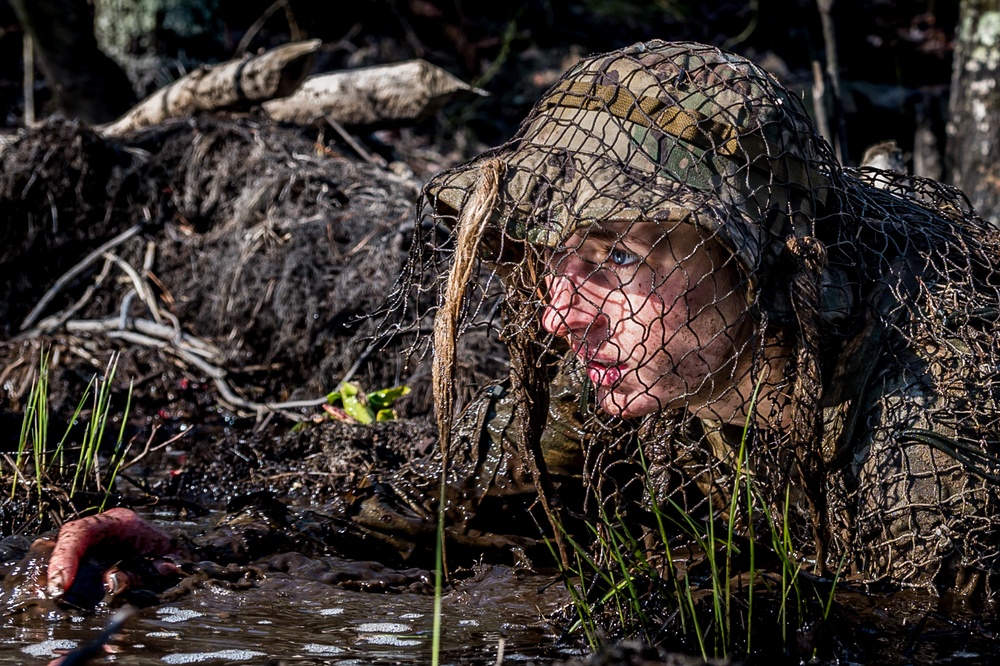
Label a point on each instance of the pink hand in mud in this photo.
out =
(115, 527)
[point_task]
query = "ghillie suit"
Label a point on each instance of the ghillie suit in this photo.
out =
(858, 404)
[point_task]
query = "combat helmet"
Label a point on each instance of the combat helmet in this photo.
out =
(661, 131)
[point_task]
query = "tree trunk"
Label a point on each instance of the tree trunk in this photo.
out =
(974, 124)
(127, 28)
(86, 83)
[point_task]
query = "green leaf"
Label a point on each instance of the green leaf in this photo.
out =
(354, 403)
(367, 409)
(379, 400)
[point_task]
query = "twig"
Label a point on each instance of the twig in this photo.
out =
(165, 294)
(374, 160)
(217, 374)
(255, 27)
(28, 52)
(124, 308)
(833, 71)
(293, 26)
(141, 287)
(10, 367)
(53, 212)
(79, 268)
(53, 322)
(361, 359)
(364, 241)
(147, 450)
(819, 102)
(149, 258)
(158, 336)
(195, 352)
(190, 343)
(17, 471)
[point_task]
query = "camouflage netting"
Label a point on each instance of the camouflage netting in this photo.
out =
(668, 227)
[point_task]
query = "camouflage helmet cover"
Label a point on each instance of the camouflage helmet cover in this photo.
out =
(661, 131)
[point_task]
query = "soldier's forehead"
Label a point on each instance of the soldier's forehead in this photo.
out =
(644, 231)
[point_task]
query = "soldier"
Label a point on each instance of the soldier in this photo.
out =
(691, 280)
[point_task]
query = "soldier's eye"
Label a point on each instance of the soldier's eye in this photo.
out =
(620, 257)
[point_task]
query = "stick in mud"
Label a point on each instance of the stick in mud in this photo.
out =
(93, 649)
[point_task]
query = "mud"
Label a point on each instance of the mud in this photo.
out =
(294, 609)
(233, 265)
(257, 258)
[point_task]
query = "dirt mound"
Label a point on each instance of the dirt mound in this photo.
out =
(310, 465)
(238, 267)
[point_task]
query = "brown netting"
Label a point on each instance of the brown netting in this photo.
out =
(669, 236)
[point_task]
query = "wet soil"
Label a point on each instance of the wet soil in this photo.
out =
(229, 266)
(293, 609)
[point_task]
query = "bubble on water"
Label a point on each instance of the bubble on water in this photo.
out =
(317, 648)
(162, 634)
(389, 639)
(48, 648)
(264, 622)
(384, 627)
(331, 611)
(410, 616)
(195, 657)
(170, 614)
(468, 623)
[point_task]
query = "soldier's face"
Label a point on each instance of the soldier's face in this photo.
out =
(654, 310)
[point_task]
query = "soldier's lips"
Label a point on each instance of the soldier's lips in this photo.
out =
(602, 374)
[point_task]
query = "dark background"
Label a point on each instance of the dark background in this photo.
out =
(895, 56)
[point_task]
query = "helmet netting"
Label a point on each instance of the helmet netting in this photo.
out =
(668, 235)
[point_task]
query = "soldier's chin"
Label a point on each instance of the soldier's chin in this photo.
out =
(626, 405)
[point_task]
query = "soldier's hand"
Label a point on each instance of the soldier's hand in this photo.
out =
(120, 529)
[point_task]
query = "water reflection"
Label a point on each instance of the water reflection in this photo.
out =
(285, 621)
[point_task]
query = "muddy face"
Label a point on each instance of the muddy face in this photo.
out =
(655, 313)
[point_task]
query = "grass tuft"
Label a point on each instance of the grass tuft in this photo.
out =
(716, 604)
(46, 471)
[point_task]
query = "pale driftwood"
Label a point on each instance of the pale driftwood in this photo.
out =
(884, 155)
(400, 93)
(8, 139)
(247, 81)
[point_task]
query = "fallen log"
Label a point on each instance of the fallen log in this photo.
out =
(247, 81)
(395, 94)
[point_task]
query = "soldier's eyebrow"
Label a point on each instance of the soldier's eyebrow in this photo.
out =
(642, 234)
(599, 233)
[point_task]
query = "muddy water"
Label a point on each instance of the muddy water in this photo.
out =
(295, 622)
(287, 620)
(291, 613)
